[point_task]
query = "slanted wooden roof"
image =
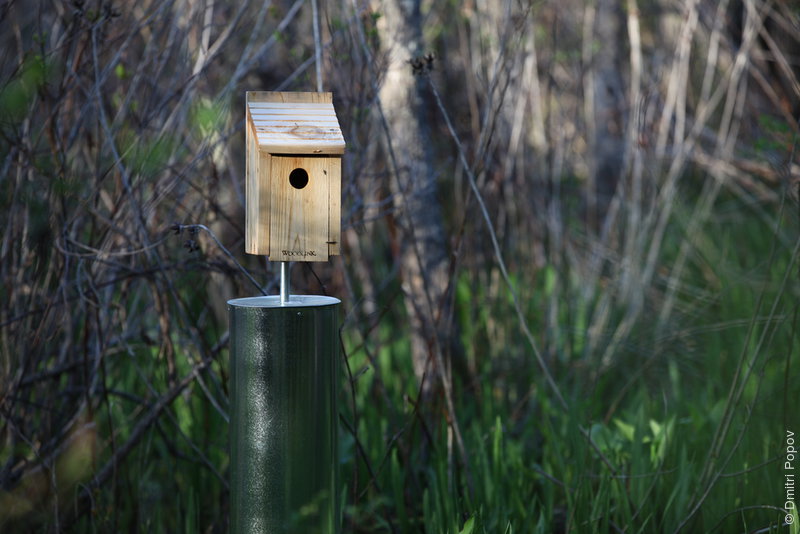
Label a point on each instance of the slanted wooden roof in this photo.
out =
(294, 123)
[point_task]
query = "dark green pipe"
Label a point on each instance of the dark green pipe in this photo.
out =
(284, 415)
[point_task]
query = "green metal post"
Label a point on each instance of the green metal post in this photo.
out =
(284, 415)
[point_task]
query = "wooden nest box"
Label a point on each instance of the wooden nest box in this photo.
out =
(293, 177)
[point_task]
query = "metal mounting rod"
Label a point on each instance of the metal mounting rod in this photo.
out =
(285, 282)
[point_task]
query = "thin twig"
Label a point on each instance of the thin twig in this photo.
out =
(181, 227)
(497, 252)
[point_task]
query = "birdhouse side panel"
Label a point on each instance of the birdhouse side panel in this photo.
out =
(299, 211)
(334, 205)
(257, 171)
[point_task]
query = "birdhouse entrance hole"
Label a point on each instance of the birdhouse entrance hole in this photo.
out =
(298, 178)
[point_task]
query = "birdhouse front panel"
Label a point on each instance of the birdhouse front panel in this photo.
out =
(293, 185)
(303, 221)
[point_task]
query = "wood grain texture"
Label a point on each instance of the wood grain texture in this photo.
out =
(256, 229)
(286, 131)
(296, 97)
(334, 205)
(295, 123)
(299, 217)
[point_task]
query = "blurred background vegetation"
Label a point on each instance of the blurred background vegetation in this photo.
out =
(569, 266)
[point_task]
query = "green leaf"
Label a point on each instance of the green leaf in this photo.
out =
(627, 430)
(468, 526)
